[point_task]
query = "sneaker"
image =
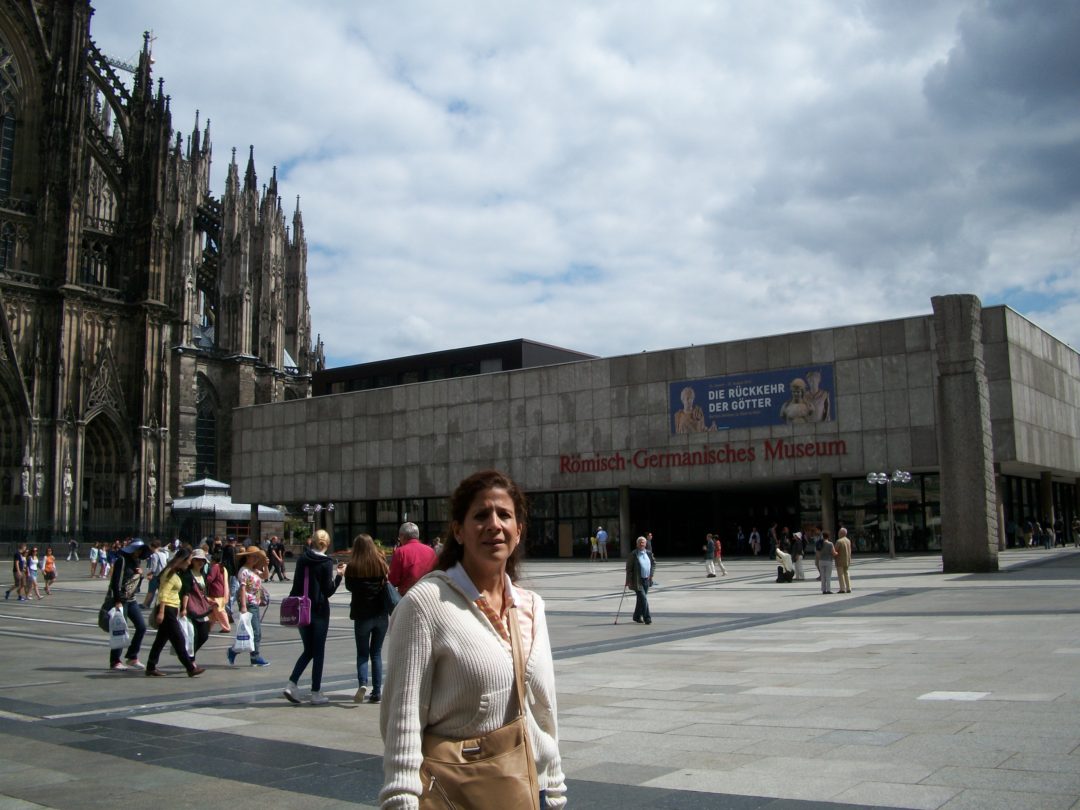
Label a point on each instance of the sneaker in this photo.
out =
(196, 671)
(290, 693)
(231, 655)
(318, 699)
(259, 661)
(119, 666)
(361, 693)
(135, 663)
(375, 698)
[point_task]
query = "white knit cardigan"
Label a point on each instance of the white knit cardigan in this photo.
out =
(449, 671)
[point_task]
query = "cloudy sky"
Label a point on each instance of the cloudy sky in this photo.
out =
(618, 176)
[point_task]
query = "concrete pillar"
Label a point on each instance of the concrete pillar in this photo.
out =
(1046, 498)
(999, 488)
(828, 505)
(969, 513)
(255, 526)
(625, 539)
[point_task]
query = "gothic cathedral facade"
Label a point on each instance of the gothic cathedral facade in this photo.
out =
(136, 308)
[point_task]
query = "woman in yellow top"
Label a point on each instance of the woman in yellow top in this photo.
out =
(171, 605)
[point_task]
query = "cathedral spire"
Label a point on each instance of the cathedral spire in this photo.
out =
(144, 85)
(298, 223)
(273, 183)
(250, 183)
(193, 143)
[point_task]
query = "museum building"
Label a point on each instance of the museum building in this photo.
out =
(978, 405)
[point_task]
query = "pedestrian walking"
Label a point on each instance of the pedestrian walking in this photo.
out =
(843, 560)
(601, 541)
(365, 577)
(217, 590)
(640, 568)
(318, 577)
(123, 595)
(171, 607)
(828, 553)
(199, 606)
(73, 550)
(710, 553)
(48, 570)
(249, 598)
(718, 556)
(18, 574)
(798, 553)
(33, 568)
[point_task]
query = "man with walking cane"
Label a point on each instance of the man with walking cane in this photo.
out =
(639, 576)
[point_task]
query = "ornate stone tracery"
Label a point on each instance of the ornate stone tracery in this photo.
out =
(126, 288)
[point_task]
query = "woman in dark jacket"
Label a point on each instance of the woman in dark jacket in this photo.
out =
(127, 576)
(318, 571)
(365, 577)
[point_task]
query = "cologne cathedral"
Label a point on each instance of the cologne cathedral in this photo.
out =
(136, 308)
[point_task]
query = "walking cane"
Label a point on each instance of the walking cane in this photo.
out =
(620, 604)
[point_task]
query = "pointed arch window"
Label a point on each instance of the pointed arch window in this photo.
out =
(206, 416)
(10, 85)
(7, 245)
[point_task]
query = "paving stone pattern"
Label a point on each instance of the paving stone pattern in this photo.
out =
(918, 690)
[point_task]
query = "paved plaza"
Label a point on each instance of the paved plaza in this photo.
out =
(918, 690)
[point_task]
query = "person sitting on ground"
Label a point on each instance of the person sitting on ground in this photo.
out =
(785, 571)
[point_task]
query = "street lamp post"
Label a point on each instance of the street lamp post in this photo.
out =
(312, 510)
(897, 477)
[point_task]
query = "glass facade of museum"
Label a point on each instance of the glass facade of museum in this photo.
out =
(561, 523)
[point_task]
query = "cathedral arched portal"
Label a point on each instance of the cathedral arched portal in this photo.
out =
(107, 481)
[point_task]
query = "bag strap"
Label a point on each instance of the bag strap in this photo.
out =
(307, 578)
(519, 679)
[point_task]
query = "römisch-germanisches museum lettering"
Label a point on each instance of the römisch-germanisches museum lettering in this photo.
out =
(769, 449)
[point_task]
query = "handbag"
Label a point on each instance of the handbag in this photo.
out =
(152, 612)
(103, 614)
(390, 596)
(296, 610)
(493, 772)
(198, 605)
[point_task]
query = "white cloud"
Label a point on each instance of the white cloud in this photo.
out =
(618, 176)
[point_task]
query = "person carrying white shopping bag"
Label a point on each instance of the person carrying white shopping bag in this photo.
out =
(243, 640)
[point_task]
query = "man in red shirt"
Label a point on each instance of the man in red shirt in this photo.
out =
(412, 559)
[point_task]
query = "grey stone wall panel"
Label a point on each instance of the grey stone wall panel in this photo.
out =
(868, 337)
(822, 346)
(736, 358)
(778, 351)
(873, 411)
(757, 354)
(871, 375)
(893, 337)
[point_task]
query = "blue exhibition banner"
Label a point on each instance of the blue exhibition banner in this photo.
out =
(778, 397)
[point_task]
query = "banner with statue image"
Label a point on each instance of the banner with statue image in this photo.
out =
(799, 395)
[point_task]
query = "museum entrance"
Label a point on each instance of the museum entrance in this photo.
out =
(679, 519)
